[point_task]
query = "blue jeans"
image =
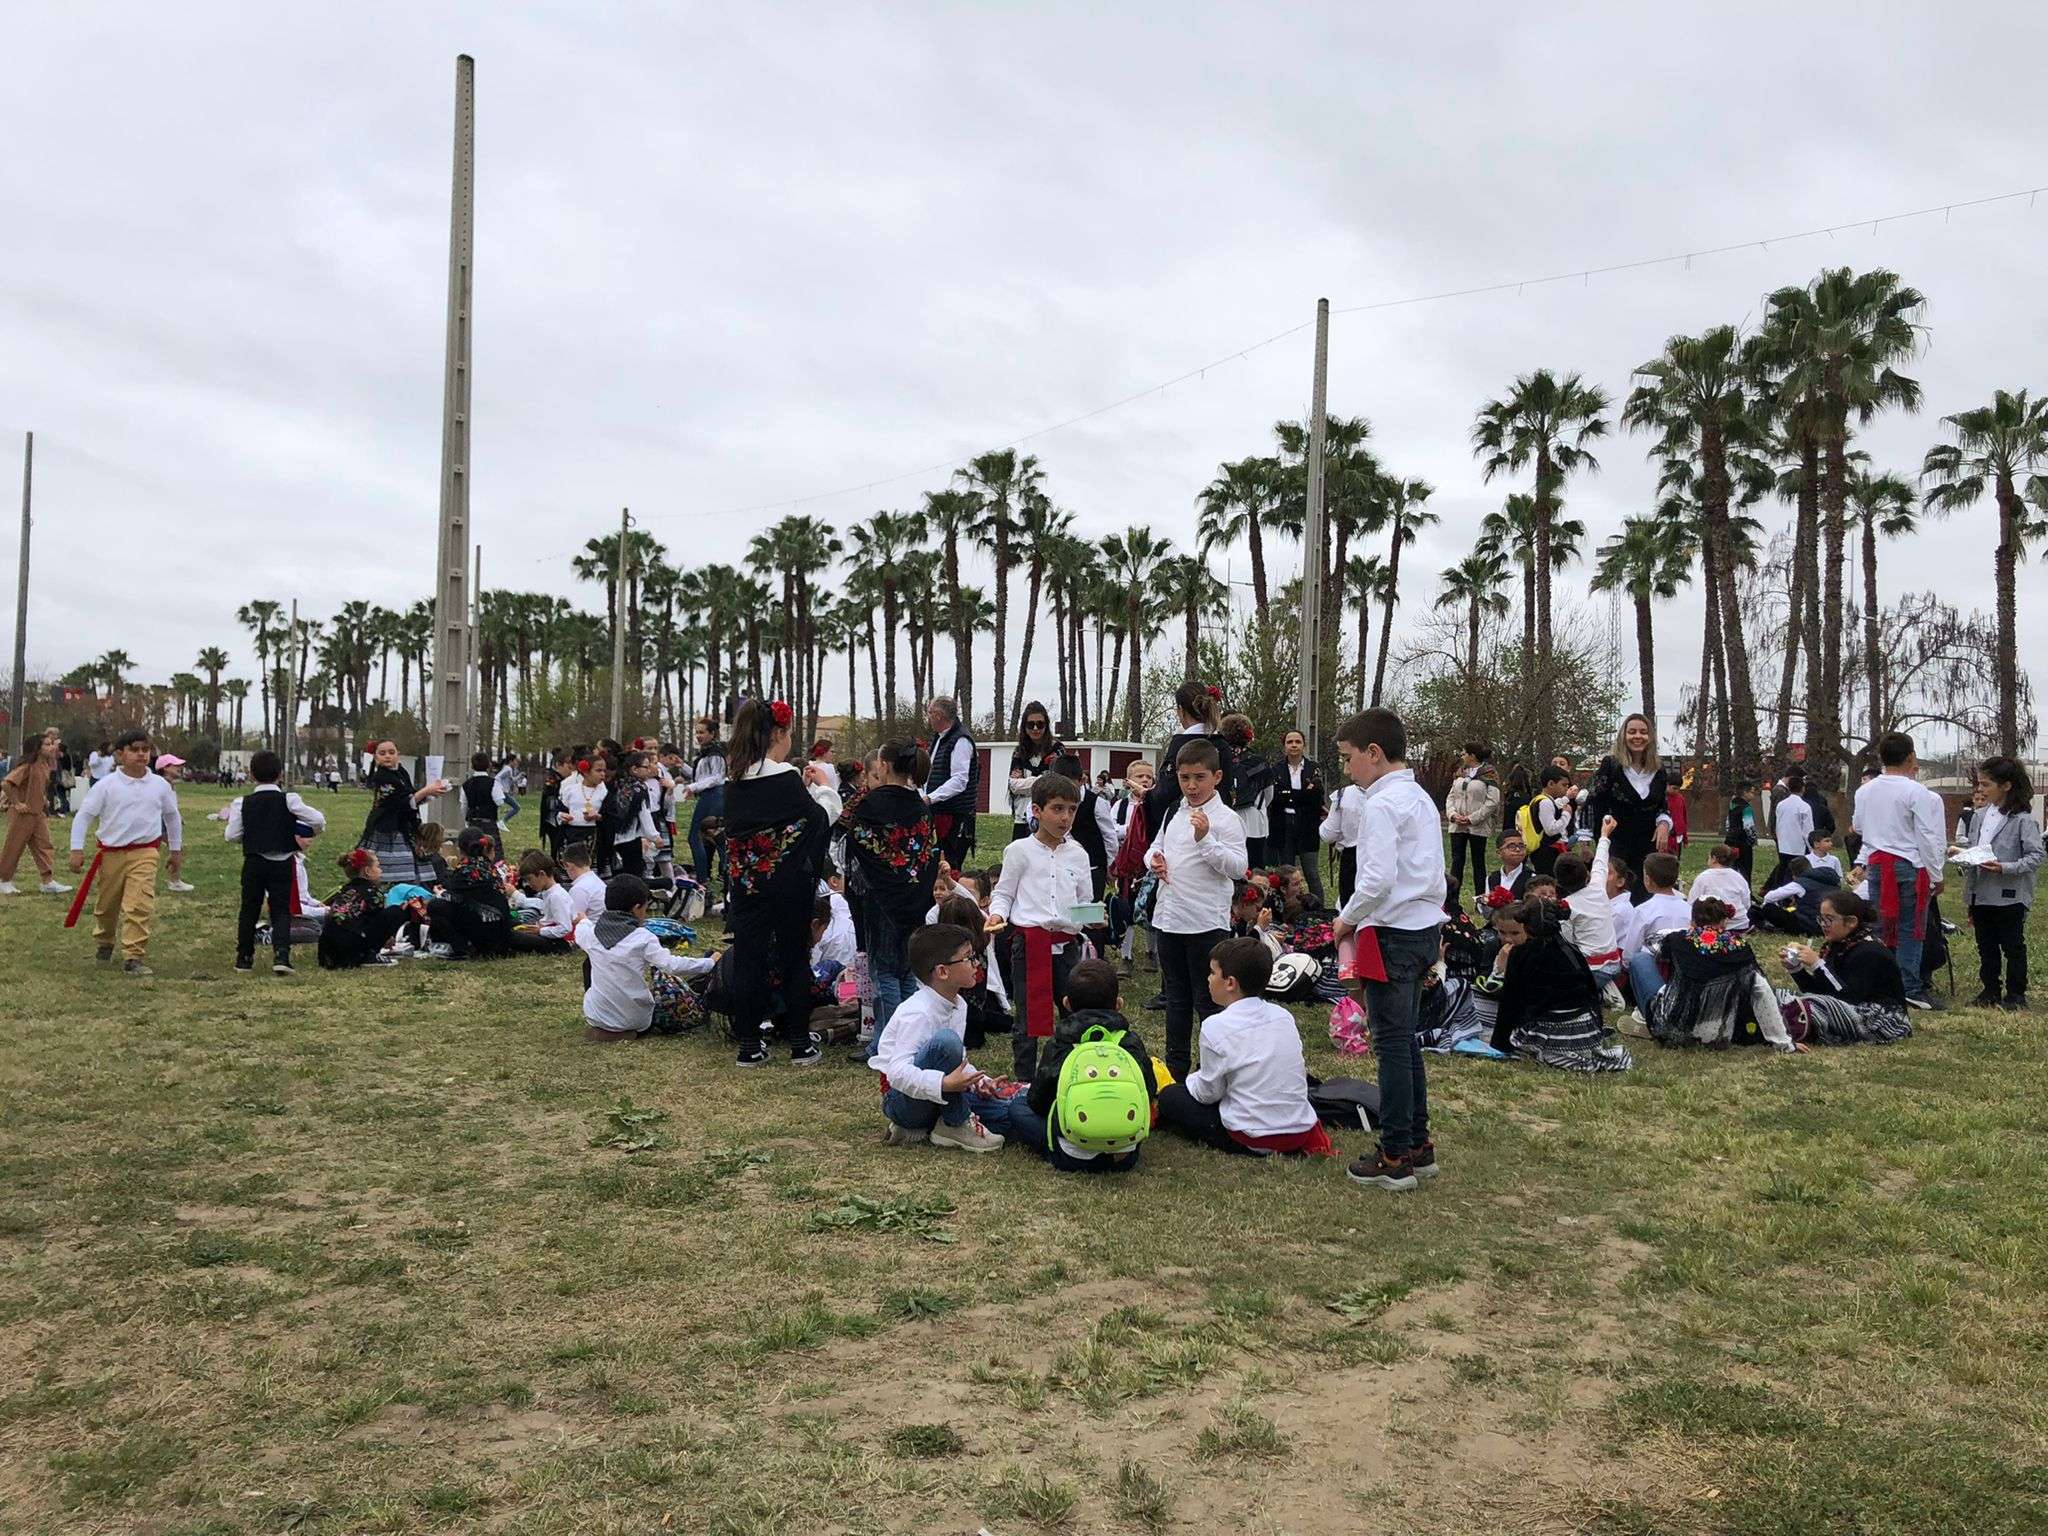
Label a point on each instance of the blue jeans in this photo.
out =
(1645, 980)
(1392, 1006)
(892, 988)
(710, 803)
(1909, 947)
(511, 809)
(1025, 1126)
(942, 1053)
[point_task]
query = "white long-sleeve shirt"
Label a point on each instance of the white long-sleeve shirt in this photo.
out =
(1659, 913)
(617, 997)
(838, 946)
(1253, 1070)
(581, 802)
(1039, 883)
(130, 809)
(1590, 924)
(956, 772)
(586, 895)
(312, 816)
(1400, 881)
(1111, 829)
(644, 823)
(1792, 826)
(1899, 816)
(921, 1016)
(501, 785)
(1200, 872)
(1726, 885)
(557, 912)
(824, 794)
(708, 773)
(1628, 927)
(1341, 821)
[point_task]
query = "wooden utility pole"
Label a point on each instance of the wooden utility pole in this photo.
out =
(18, 708)
(619, 627)
(291, 696)
(449, 722)
(475, 654)
(1308, 709)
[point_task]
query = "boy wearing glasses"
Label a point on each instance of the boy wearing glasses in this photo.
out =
(928, 1082)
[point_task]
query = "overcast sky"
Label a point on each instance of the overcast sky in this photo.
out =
(738, 255)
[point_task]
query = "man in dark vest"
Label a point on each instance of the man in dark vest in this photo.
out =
(266, 823)
(955, 776)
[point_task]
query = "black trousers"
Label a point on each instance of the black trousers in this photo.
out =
(1473, 843)
(466, 929)
(1347, 874)
(629, 858)
(265, 879)
(1255, 852)
(2001, 935)
(770, 932)
(1181, 1111)
(1184, 974)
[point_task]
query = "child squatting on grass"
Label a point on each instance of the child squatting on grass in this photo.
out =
(927, 1081)
(617, 1005)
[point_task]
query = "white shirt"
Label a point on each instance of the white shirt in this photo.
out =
(316, 819)
(1792, 825)
(921, 1016)
(1896, 815)
(308, 907)
(1195, 895)
(1628, 927)
(581, 802)
(557, 911)
(824, 794)
(1823, 861)
(1112, 830)
(643, 824)
(617, 998)
(1341, 821)
(586, 895)
(98, 766)
(1989, 820)
(1039, 883)
(1725, 885)
(1658, 914)
(1252, 1070)
(1400, 881)
(956, 772)
(837, 946)
(130, 810)
(1256, 822)
(1590, 923)
(708, 774)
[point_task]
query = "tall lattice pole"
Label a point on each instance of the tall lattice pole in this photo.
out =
(449, 722)
(18, 705)
(1308, 710)
(619, 627)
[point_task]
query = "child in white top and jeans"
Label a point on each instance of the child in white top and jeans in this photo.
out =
(1250, 1095)
(1197, 857)
(922, 1053)
(1399, 897)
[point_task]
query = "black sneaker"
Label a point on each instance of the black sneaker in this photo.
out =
(104, 953)
(1421, 1160)
(1985, 999)
(1157, 1005)
(755, 1055)
(282, 968)
(2016, 1003)
(1382, 1172)
(245, 966)
(807, 1054)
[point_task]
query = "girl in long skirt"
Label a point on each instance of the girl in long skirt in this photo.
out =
(393, 824)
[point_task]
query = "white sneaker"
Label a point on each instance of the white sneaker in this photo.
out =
(894, 1135)
(1610, 995)
(54, 888)
(968, 1137)
(439, 951)
(180, 886)
(7, 888)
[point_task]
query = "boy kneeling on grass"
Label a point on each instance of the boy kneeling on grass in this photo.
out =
(927, 1081)
(617, 1004)
(1250, 1094)
(1106, 1111)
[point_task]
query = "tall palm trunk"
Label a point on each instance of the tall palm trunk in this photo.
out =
(1724, 747)
(1030, 634)
(1795, 629)
(889, 647)
(1646, 650)
(1387, 598)
(1873, 671)
(1077, 648)
(1193, 617)
(1472, 660)
(963, 670)
(1364, 639)
(1824, 736)
(1739, 691)
(875, 668)
(1257, 543)
(1104, 695)
(1703, 701)
(1002, 562)
(1544, 509)
(1136, 679)
(1116, 673)
(2006, 574)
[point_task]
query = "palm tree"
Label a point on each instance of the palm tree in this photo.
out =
(1696, 398)
(1365, 582)
(1039, 524)
(1475, 583)
(1510, 534)
(1649, 560)
(1403, 500)
(1996, 448)
(1885, 505)
(212, 661)
(261, 619)
(1001, 481)
(237, 691)
(113, 667)
(1546, 422)
(1133, 558)
(1199, 594)
(1834, 344)
(951, 516)
(879, 547)
(1236, 503)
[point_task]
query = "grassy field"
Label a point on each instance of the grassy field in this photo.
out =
(347, 1253)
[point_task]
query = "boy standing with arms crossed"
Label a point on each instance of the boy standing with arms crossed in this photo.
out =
(137, 813)
(1399, 898)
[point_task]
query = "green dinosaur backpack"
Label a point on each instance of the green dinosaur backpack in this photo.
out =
(1100, 1104)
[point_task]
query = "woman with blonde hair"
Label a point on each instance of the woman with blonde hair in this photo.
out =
(1631, 785)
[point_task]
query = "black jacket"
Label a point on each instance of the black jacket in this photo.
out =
(1298, 813)
(1066, 1035)
(1859, 969)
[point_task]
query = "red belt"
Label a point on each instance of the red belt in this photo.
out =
(1608, 958)
(85, 885)
(1886, 866)
(1313, 1142)
(1040, 1006)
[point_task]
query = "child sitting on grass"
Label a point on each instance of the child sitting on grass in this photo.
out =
(472, 918)
(1589, 919)
(1250, 1094)
(1716, 991)
(552, 933)
(927, 1080)
(617, 1004)
(1664, 909)
(1546, 1003)
(359, 923)
(1723, 880)
(586, 888)
(988, 1011)
(1041, 1121)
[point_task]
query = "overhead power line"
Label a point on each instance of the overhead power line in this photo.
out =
(1584, 274)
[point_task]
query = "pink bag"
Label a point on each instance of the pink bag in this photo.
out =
(1349, 1031)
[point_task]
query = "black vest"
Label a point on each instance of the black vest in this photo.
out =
(964, 803)
(268, 825)
(477, 804)
(1088, 833)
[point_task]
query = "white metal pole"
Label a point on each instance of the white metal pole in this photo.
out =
(449, 720)
(19, 707)
(619, 628)
(1308, 710)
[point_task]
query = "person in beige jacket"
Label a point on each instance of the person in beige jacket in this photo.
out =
(1472, 812)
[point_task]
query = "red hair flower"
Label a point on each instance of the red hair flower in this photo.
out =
(780, 713)
(1498, 896)
(820, 750)
(1214, 692)
(583, 765)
